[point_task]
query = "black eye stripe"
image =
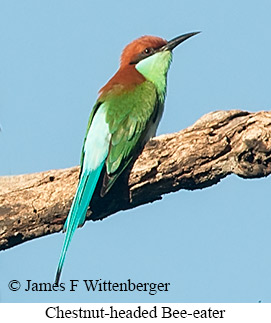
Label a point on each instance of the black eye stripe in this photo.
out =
(148, 51)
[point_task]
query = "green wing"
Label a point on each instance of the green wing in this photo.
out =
(129, 115)
(94, 110)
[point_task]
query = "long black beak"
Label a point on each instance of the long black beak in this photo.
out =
(177, 40)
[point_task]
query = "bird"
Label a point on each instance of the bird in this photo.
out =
(125, 116)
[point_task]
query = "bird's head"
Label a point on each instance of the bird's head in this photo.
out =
(151, 56)
(147, 57)
(147, 46)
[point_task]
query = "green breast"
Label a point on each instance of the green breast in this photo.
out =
(155, 69)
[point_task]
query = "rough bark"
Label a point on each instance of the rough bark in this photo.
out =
(218, 144)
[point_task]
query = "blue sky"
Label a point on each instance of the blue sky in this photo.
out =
(212, 245)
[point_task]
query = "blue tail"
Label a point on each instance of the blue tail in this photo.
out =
(77, 214)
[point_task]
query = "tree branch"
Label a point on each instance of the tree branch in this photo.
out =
(218, 144)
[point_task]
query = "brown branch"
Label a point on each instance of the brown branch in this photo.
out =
(218, 144)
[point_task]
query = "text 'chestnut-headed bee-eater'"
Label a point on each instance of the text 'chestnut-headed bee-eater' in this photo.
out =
(124, 118)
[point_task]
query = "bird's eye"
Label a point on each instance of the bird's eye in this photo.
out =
(148, 50)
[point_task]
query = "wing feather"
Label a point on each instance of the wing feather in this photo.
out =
(135, 113)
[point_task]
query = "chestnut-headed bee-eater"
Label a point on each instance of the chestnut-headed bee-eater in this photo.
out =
(124, 117)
